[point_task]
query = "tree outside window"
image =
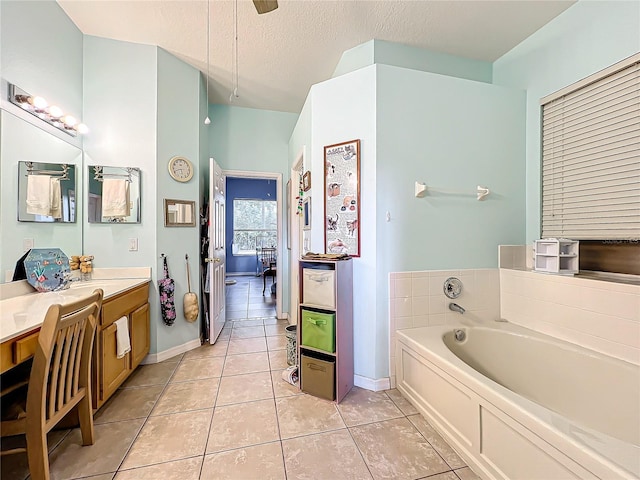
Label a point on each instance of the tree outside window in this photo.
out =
(254, 225)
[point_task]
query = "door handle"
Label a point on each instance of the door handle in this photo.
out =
(214, 260)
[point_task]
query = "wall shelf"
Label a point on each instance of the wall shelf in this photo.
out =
(552, 255)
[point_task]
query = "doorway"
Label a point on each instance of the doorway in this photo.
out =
(243, 258)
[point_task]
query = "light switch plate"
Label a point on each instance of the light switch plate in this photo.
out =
(133, 244)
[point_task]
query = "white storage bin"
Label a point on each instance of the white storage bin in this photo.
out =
(318, 287)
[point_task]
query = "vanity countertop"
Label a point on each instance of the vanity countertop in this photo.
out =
(23, 313)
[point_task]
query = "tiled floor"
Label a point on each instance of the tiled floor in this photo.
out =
(224, 412)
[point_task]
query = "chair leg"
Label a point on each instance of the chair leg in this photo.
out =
(264, 283)
(38, 454)
(85, 415)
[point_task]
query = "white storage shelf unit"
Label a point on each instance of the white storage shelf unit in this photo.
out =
(326, 287)
(552, 255)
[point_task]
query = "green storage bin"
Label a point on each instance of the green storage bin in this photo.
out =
(319, 330)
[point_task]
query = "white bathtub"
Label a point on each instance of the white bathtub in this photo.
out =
(518, 404)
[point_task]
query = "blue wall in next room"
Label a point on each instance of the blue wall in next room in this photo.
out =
(252, 188)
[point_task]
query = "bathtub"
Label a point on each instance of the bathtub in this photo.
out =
(518, 404)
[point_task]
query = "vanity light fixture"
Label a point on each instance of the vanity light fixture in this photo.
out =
(51, 114)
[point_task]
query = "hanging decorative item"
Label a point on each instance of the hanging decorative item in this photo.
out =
(300, 196)
(166, 291)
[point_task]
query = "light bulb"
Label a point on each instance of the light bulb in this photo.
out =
(55, 111)
(207, 121)
(82, 129)
(69, 121)
(40, 103)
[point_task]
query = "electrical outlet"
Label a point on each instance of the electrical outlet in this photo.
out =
(133, 244)
(27, 244)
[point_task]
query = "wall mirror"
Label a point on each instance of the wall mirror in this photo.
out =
(179, 213)
(113, 194)
(46, 192)
(23, 141)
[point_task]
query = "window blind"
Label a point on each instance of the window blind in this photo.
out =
(591, 159)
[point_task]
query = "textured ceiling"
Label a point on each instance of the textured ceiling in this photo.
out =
(282, 53)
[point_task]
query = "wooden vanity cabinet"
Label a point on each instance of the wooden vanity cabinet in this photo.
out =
(109, 371)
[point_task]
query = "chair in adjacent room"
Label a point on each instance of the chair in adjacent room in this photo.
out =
(60, 380)
(268, 262)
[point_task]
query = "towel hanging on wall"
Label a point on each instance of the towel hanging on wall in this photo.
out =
(39, 194)
(115, 197)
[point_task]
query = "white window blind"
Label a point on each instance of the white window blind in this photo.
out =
(591, 159)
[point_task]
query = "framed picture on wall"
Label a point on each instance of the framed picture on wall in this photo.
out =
(306, 181)
(342, 198)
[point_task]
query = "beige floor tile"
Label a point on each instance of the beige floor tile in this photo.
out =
(330, 455)
(247, 332)
(256, 322)
(275, 321)
(261, 312)
(437, 442)
(247, 345)
(106, 476)
(260, 462)
(198, 368)
(129, 403)
(218, 349)
(185, 396)
(278, 360)
(444, 476)
(112, 440)
(281, 388)
(16, 466)
(273, 330)
(395, 449)
(187, 469)
(277, 343)
(243, 425)
(401, 402)
(466, 474)
(245, 363)
(174, 359)
(304, 415)
(155, 374)
(364, 406)
(244, 388)
(170, 437)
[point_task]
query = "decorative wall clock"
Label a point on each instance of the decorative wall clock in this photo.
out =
(180, 169)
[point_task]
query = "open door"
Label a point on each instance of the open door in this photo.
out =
(216, 250)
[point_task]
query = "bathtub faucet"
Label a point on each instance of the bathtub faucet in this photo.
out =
(456, 308)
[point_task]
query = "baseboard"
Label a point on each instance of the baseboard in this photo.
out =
(241, 274)
(171, 352)
(374, 385)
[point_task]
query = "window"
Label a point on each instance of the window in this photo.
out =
(254, 225)
(591, 161)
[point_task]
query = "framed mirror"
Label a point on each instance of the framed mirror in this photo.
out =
(46, 192)
(113, 194)
(179, 213)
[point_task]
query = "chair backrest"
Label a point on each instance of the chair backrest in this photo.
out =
(268, 256)
(61, 372)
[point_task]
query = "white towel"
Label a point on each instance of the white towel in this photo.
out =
(115, 197)
(56, 198)
(123, 342)
(39, 194)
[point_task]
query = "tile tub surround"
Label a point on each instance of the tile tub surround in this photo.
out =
(216, 413)
(417, 299)
(600, 315)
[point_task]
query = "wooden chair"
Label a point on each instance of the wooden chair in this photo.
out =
(268, 261)
(60, 380)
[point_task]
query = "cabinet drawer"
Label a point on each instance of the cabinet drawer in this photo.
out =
(25, 348)
(120, 306)
(318, 287)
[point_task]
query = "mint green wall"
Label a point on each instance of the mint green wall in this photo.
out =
(396, 54)
(178, 133)
(584, 39)
(52, 69)
(452, 134)
(253, 140)
(120, 91)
